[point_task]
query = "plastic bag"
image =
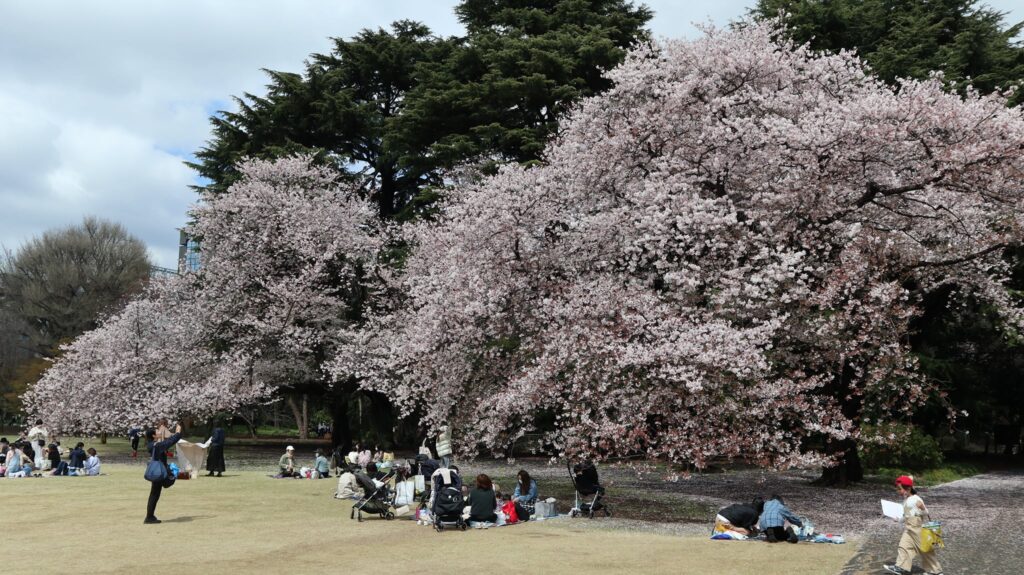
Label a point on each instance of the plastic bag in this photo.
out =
(405, 492)
(510, 512)
(931, 536)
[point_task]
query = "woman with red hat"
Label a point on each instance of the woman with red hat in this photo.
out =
(914, 515)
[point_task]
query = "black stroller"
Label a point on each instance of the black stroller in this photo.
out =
(448, 503)
(585, 481)
(377, 500)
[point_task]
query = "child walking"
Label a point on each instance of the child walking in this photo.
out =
(914, 515)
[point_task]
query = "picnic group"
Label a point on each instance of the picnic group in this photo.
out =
(431, 489)
(34, 453)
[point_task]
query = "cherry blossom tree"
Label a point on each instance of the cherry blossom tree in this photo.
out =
(146, 362)
(719, 258)
(286, 252)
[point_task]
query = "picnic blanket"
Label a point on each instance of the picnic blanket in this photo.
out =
(191, 457)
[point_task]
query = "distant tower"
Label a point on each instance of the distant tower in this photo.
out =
(188, 253)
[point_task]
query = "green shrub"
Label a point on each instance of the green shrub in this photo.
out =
(910, 448)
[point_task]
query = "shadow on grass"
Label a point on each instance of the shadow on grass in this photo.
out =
(188, 518)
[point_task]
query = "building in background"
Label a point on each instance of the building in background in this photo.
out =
(188, 253)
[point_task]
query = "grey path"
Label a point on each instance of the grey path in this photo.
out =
(982, 518)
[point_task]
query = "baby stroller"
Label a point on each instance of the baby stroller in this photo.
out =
(585, 481)
(448, 503)
(378, 500)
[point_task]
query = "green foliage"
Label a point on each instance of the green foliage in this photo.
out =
(58, 285)
(400, 107)
(978, 368)
(911, 448)
(968, 41)
(929, 477)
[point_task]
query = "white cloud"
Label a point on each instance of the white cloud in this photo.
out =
(101, 101)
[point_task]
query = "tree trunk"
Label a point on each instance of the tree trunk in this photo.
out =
(277, 414)
(341, 438)
(250, 423)
(304, 432)
(103, 438)
(300, 420)
(849, 469)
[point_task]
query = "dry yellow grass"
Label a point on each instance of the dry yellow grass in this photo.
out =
(249, 523)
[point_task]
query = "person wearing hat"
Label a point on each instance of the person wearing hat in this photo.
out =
(915, 514)
(286, 464)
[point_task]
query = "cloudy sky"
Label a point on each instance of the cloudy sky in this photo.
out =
(102, 101)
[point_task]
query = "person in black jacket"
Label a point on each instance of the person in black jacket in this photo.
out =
(159, 453)
(740, 517)
(77, 456)
(215, 460)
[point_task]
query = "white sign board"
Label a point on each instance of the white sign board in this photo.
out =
(892, 509)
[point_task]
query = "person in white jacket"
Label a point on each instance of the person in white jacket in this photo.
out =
(444, 445)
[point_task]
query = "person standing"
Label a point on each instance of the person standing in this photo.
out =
(38, 433)
(915, 514)
(158, 453)
(444, 446)
(215, 460)
(133, 435)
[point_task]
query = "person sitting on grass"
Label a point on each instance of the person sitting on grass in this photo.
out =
(16, 462)
(92, 464)
(77, 458)
(739, 518)
(525, 495)
(773, 521)
(321, 468)
(482, 503)
(286, 465)
(53, 454)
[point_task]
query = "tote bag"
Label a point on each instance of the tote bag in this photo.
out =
(156, 470)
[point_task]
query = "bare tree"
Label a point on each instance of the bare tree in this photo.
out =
(57, 285)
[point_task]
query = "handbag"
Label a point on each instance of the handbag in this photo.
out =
(156, 470)
(424, 450)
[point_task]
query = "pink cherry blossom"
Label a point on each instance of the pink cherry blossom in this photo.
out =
(719, 258)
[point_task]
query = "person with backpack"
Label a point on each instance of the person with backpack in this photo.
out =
(158, 453)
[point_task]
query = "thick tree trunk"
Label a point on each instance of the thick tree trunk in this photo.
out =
(849, 469)
(341, 438)
(300, 419)
(103, 438)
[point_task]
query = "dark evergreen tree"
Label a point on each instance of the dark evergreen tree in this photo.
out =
(401, 106)
(968, 41)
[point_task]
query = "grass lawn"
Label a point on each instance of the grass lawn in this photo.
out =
(246, 522)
